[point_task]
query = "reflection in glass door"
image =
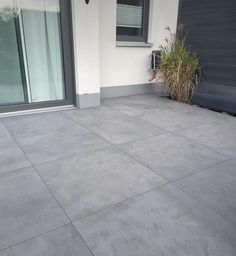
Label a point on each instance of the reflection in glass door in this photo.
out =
(31, 65)
(11, 80)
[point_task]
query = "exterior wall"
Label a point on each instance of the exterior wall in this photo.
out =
(86, 46)
(130, 65)
(99, 63)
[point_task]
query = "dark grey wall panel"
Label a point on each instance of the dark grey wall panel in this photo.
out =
(206, 5)
(211, 32)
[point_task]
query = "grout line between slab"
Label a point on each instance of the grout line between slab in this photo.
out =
(120, 202)
(204, 204)
(200, 144)
(33, 237)
(201, 170)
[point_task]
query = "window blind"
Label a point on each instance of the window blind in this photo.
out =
(129, 16)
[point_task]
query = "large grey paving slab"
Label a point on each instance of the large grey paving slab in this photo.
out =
(118, 131)
(35, 124)
(89, 182)
(27, 208)
(113, 125)
(181, 116)
(58, 144)
(215, 187)
(136, 105)
(172, 156)
(11, 156)
(164, 222)
(140, 104)
(63, 241)
(219, 136)
(92, 116)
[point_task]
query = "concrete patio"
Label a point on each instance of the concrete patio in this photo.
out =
(139, 176)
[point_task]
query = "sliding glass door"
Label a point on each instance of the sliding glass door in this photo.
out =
(31, 52)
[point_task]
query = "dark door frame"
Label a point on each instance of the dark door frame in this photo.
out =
(69, 68)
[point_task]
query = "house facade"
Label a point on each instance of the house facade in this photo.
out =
(57, 53)
(60, 52)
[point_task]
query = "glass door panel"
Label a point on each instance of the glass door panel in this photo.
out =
(42, 39)
(31, 57)
(11, 82)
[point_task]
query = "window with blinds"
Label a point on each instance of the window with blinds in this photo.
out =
(132, 20)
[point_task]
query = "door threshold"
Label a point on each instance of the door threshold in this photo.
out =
(36, 111)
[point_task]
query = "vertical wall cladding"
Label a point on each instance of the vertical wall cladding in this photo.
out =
(211, 31)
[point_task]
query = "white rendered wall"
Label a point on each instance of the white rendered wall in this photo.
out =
(98, 61)
(86, 42)
(130, 65)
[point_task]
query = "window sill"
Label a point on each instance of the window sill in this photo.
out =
(134, 44)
